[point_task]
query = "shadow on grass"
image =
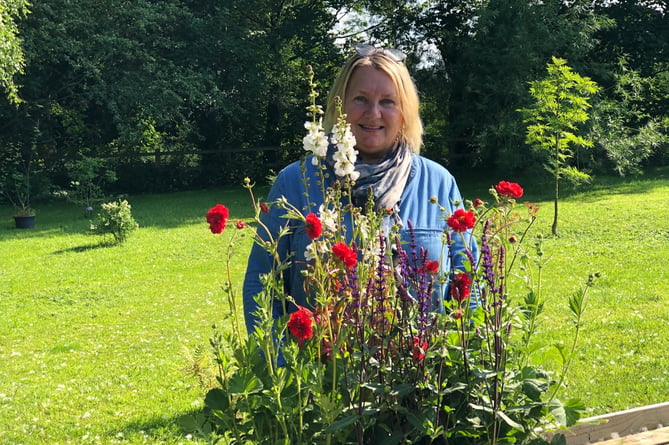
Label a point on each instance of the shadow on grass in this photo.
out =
(9, 232)
(168, 210)
(190, 207)
(191, 425)
(177, 209)
(99, 245)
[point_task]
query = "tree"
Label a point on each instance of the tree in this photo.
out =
(99, 74)
(482, 54)
(628, 126)
(631, 121)
(11, 54)
(260, 50)
(640, 34)
(561, 104)
(148, 83)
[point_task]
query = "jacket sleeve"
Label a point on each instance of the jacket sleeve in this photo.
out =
(260, 261)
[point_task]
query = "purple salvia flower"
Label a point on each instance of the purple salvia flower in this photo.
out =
(401, 274)
(500, 268)
(380, 276)
(423, 256)
(424, 299)
(353, 308)
(486, 258)
(470, 257)
(422, 282)
(379, 287)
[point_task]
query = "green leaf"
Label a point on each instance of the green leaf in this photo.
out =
(342, 423)
(419, 423)
(401, 390)
(509, 421)
(559, 439)
(453, 388)
(376, 388)
(558, 411)
(575, 302)
(534, 388)
(567, 414)
(245, 384)
(574, 409)
(217, 400)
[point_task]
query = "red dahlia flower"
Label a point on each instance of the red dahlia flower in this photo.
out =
(314, 227)
(217, 216)
(300, 324)
(431, 267)
(461, 220)
(478, 202)
(346, 254)
(509, 189)
(240, 224)
(419, 349)
(461, 287)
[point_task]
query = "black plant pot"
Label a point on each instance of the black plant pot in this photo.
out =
(25, 222)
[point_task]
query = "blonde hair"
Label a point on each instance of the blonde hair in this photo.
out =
(412, 128)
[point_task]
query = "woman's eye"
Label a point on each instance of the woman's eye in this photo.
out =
(388, 103)
(359, 99)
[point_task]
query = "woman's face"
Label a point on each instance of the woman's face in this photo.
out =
(372, 108)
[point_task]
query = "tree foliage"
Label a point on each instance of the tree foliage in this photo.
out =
(11, 53)
(182, 93)
(628, 128)
(488, 50)
(562, 101)
(127, 80)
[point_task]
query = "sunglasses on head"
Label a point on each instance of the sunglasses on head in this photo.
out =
(365, 50)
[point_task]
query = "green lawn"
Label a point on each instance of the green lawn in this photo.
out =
(95, 340)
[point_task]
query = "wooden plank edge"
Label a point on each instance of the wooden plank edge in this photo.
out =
(659, 436)
(617, 425)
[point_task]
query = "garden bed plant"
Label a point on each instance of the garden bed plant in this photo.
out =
(373, 360)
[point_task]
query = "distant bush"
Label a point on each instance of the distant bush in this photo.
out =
(115, 219)
(89, 178)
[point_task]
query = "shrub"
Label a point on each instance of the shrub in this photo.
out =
(115, 219)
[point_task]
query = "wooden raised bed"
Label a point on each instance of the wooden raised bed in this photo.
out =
(648, 425)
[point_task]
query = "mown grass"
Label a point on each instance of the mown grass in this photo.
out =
(96, 340)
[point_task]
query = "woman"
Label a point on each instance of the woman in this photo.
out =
(381, 105)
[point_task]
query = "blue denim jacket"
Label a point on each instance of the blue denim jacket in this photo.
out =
(427, 179)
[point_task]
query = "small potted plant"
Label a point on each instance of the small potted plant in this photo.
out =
(17, 191)
(17, 184)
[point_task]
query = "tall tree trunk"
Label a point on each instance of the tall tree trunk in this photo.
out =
(557, 187)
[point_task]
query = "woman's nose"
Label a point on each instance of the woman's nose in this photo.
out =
(373, 109)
